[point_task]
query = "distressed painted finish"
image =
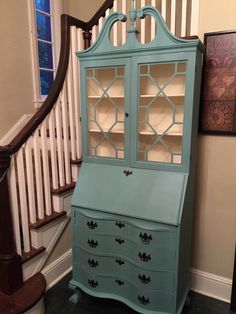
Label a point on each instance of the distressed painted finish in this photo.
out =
(131, 217)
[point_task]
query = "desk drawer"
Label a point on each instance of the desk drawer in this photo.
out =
(148, 258)
(112, 266)
(141, 232)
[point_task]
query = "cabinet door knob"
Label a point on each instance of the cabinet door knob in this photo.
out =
(92, 283)
(120, 262)
(92, 263)
(145, 238)
(92, 243)
(120, 225)
(120, 241)
(144, 257)
(143, 279)
(91, 224)
(143, 300)
(126, 114)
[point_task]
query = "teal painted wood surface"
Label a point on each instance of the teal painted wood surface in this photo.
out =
(146, 194)
(132, 233)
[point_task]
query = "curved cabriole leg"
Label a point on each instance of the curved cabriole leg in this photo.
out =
(76, 296)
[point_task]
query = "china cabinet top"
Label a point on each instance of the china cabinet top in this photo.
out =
(163, 40)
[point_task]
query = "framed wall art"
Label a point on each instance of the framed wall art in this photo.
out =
(218, 99)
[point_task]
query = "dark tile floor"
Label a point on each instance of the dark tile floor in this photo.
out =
(57, 302)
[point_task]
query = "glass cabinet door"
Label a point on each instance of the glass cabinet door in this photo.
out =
(106, 112)
(161, 112)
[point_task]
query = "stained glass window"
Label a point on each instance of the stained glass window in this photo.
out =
(45, 45)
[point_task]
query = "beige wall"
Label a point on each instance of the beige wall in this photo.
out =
(82, 10)
(16, 89)
(215, 212)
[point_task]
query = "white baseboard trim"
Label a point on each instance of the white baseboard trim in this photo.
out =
(15, 129)
(202, 282)
(54, 272)
(211, 285)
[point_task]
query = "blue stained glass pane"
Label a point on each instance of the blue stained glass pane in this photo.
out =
(46, 79)
(43, 26)
(43, 5)
(45, 55)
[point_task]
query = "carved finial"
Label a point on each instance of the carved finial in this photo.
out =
(132, 17)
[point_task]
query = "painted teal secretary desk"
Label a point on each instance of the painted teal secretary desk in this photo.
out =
(132, 205)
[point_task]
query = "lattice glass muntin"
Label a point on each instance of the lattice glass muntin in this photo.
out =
(161, 112)
(105, 112)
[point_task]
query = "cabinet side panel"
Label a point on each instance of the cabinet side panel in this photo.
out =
(185, 231)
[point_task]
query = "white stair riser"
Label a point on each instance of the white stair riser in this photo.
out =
(62, 202)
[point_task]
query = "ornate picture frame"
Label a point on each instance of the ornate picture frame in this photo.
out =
(218, 97)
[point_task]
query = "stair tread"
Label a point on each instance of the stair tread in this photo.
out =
(24, 298)
(64, 189)
(47, 219)
(26, 256)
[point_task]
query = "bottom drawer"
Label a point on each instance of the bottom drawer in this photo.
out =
(137, 298)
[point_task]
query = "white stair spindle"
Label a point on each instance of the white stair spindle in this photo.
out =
(75, 71)
(173, 14)
(79, 47)
(14, 205)
(66, 136)
(23, 200)
(30, 181)
(124, 25)
(94, 34)
(153, 23)
(38, 175)
(70, 92)
(53, 149)
(163, 9)
(100, 24)
(46, 176)
(108, 11)
(60, 145)
(115, 26)
(143, 26)
(194, 17)
(184, 18)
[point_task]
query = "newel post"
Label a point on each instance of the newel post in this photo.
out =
(11, 278)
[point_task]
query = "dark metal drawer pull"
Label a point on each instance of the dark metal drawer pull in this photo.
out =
(120, 262)
(120, 241)
(120, 225)
(127, 172)
(145, 238)
(92, 263)
(91, 224)
(93, 283)
(143, 300)
(144, 257)
(144, 279)
(92, 243)
(120, 283)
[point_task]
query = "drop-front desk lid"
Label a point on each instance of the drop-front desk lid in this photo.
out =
(146, 194)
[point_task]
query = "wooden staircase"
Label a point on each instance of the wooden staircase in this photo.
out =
(39, 167)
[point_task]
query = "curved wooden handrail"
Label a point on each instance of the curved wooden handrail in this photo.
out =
(40, 115)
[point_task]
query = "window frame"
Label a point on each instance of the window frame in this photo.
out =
(55, 14)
